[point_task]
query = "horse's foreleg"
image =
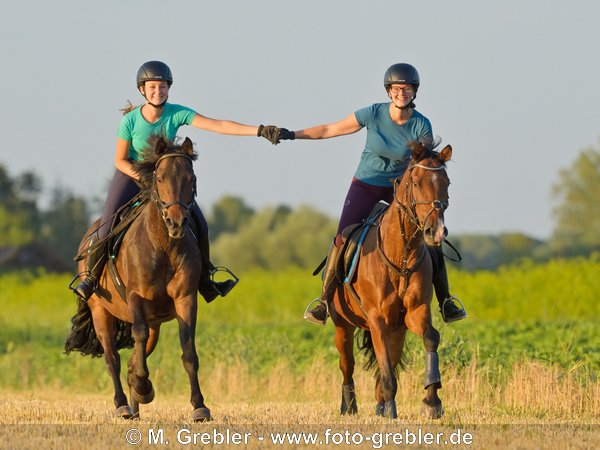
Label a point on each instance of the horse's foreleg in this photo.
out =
(138, 373)
(419, 322)
(186, 316)
(105, 332)
(344, 341)
(387, 384)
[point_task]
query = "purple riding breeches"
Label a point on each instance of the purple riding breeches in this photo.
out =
(360, 200)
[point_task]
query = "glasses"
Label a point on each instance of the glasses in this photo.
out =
(403, 89)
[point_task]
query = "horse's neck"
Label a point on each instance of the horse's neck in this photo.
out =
(154, 226)
(400, 237)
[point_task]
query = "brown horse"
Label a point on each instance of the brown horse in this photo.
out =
(160, 264)
(392, 287)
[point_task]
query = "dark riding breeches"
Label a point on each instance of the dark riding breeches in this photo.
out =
(122, 189)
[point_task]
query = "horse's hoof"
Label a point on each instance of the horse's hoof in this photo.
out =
(386, 409)
(348, 405)
(145, 398)
(201, 415)
(432, 412)
(124, 412)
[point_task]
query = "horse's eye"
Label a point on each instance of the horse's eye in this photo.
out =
(158, 179)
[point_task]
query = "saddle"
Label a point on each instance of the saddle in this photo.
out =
(353, 237)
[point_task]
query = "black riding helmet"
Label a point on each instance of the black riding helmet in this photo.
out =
(154, 71)
(401, 74)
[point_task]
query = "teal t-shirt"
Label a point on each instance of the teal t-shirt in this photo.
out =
(386, 152)
(137, 130)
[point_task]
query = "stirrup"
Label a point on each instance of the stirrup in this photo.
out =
(217, 269)
(87, 274)
(449, 299)
(313, 319)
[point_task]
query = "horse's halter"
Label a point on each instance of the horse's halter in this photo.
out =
(409, 207)
(164, 206)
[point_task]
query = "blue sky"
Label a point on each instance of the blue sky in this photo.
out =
(512, 86)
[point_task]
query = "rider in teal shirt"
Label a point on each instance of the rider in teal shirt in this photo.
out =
(137, 130)
(158, 118)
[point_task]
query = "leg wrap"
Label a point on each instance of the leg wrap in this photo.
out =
(432, 370)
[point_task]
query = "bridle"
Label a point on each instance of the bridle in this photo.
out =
(410, 204)
(409, 208)
(164, 206)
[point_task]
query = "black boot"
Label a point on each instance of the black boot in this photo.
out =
(94, 262)
(208, 288)
(320, 312)
(449, 310)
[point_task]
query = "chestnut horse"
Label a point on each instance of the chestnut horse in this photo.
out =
(392, 287)
(159, 263)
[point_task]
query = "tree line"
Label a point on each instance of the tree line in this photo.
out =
(278, 236)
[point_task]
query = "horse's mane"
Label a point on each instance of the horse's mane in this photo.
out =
(429, 145)
(145, 166)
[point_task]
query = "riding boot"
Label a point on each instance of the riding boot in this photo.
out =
(320, 312)
(208, 288)
(95, 259)
(449, 310)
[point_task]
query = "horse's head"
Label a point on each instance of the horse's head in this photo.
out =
(423, 191)
(172, 182)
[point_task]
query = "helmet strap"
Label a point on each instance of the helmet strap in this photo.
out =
(157, 106)
(404, 108)
(143, 92)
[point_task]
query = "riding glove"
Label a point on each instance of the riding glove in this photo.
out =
(270, 133)
(285, 134)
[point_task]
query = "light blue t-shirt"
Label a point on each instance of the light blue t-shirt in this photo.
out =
(386, 152)
(137, 130)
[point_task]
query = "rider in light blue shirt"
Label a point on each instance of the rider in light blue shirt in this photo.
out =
(390, 127)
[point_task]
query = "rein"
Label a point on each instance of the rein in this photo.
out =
(164, 206)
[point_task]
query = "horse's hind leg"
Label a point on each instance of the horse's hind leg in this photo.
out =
(186, 310)
(138, 374)
(344, 341)
(419, 322)
(104, 324)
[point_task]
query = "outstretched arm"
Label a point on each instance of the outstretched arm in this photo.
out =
(223, 126)
(345, 126)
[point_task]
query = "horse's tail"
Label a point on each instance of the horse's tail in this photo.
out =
(83, 339)
(364, 343)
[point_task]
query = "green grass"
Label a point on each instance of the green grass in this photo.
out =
(546, 313)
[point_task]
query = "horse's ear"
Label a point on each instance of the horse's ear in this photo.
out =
(187, 146)
(161, 146)
(418, 150)
(446, 153)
